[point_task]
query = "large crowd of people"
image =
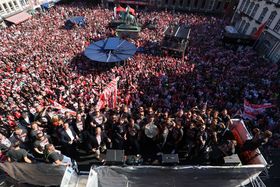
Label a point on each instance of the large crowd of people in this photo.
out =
(165, 104)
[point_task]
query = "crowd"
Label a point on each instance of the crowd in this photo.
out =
(161, 99)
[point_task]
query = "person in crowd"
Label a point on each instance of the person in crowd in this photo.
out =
(99, 142)
(260, 138)
(132, 135)
(39, 144)
(69, 140)
(21, 135)
(17, 154)
(55, 157)
(41, 79)
(26, 119)
(119, 134)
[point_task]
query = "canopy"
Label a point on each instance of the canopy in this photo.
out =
(179, 176)
(178, 31)
(79, 20)
(40, 174)
(112, 49)
(45, 6)
(18, 18)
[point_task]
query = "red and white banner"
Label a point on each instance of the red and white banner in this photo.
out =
(61, 108)
(109, 95)
(252, 110)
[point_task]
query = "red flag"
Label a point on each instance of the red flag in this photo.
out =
(259, 31)
(252, 110)
(61, 108)
(109, 95)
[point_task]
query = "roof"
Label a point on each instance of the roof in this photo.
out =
(18, 18)
(179, 31)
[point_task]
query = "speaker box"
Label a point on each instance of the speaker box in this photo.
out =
(114, 156)
(232, 160)
(170, 159)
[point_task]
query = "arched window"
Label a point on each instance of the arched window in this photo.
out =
(271, 18)
(253, 13)
(277, 26)
(263, 14)
(240, 29)
(246, 6)
(242, 4)
(250, 8)
(246, 28)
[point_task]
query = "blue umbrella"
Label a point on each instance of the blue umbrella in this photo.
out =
(110, 50)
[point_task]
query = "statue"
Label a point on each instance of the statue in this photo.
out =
(128, 18)
(129, 26)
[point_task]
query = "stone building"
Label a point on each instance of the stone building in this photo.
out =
(250, 15)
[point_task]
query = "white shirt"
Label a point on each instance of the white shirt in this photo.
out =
(27, 119)
(70, 134)
(98, 138)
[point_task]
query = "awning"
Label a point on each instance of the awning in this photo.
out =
(18, 18)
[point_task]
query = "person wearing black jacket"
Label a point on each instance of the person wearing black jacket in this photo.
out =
(99, 142)
(69, 140)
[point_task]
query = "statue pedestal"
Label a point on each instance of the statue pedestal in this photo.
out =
(130, 31)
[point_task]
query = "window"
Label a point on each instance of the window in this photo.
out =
(241, 26)
(6, 7)
(1, 9)
(277, 26)
(15, 3)
(250, 8)
(246, 6)
(271, 18)
(11, 6)
(246, 28)
(242, 5)
(263, 14)
(211, 4)
(255, 10)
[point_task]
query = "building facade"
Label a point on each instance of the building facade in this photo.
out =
(206, 6)
(10, 7)
(250, 15)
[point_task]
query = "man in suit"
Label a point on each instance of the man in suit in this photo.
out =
(69, 140)
(26, 119)
(99, 142)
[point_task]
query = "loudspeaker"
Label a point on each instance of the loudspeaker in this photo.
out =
(170, 159)
(232, 160)
(114, 156)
